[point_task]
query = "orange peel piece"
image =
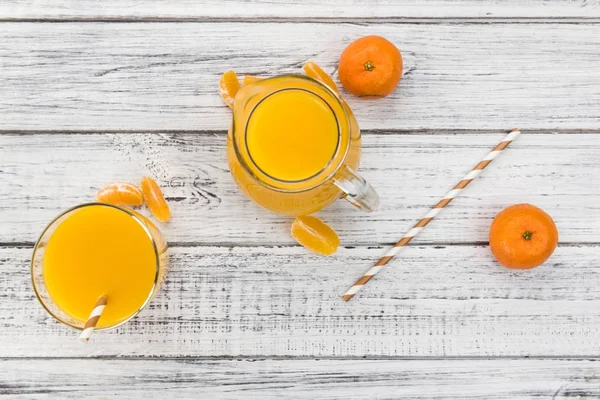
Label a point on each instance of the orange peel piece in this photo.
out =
(315, 235)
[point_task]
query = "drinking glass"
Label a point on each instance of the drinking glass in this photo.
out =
(148, 230)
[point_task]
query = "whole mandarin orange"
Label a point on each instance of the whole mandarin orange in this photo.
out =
(523, 236)
(370, 66)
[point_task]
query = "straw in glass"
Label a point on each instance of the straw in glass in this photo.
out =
(92, 321)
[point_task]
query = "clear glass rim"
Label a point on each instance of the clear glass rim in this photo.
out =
(141, 222)
(340, 152)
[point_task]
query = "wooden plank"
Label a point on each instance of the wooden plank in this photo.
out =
(160, 76)
(282, 301)
(41, 175)
(302, 379)
(293, 9)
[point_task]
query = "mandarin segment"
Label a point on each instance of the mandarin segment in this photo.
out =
(228, 87)
(315, 235)
(313, 70)
(248, 79)
(155, 199)
(124, 194)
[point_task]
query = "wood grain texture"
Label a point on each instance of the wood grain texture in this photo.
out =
(282, 301)
(42, 175)
(302, 379)
(295, 9)
(160, 76)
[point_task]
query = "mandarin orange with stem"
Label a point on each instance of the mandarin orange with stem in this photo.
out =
(370, 66)
(523, 236)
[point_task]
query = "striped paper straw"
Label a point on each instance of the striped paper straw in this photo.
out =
(415, 230)
(92, 321)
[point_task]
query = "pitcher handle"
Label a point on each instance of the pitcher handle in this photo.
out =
(356, 190)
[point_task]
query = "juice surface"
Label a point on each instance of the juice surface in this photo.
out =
(292, 135)
(97, 251)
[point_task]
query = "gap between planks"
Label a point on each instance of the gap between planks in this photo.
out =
(593, 357)
(318, 20)
(212, 132)
(21, 245)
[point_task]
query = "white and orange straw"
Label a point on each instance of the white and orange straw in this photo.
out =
(415, 230)
(92, 320)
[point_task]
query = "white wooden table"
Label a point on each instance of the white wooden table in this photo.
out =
(93, 92)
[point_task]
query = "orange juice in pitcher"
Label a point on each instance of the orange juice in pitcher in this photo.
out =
(295, 145)
(292, 135)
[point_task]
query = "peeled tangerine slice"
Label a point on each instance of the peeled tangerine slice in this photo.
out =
(313, 70)
(155, 200)
(315, 235)
(248, 79)
(124, 194)
(228, 87)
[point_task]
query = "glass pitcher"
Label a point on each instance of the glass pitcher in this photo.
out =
(294, 147)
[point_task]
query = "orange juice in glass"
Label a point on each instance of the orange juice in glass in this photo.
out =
(294, 147)
(96, 250)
